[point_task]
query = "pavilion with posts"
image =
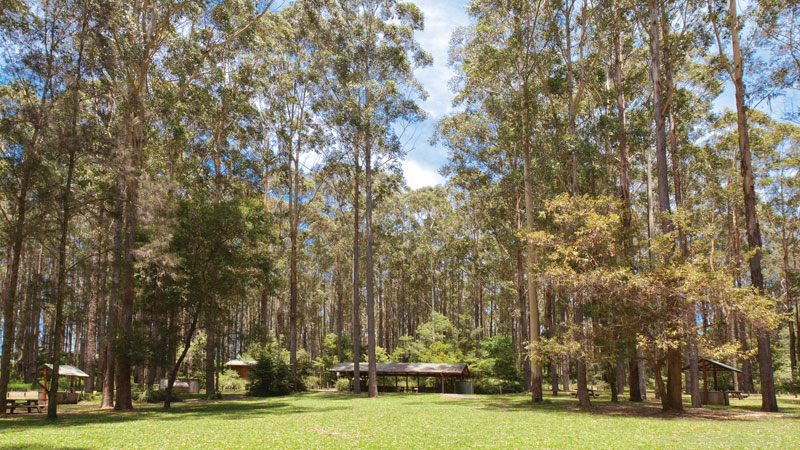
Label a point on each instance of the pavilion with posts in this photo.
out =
(715, 396)
(71, 395)
(454, 373)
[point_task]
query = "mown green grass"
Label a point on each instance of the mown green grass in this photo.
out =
(330, 420)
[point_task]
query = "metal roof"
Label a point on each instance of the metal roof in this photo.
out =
(407, 368)
(69, 371)
(711, 362)
(240, 363)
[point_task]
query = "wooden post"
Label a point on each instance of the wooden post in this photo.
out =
(442, 383)
(715, 379)
(406, 383)
(395, 383)
(419, 388)
(705, 383)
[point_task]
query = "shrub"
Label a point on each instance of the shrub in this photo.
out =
(311, 382)
(91, 397)
(270, 377)
(343, 385)
(229, 380)
(154, 396)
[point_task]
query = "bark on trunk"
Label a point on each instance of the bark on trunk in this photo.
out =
(533, 301)
(356, 286)
(61, 282)
(371, 361)
(769, 402)
(211, 344)
(173, 374)
(633, 380)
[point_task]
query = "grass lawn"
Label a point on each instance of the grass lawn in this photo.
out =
(331, 420)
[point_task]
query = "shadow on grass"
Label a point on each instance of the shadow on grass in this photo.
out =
(649, 410)
(218, 410)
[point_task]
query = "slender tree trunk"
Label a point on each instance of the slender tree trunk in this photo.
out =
(90, 356)
(551, 332)
(768, 400)
(109, 376)
(372, 363)
(61, 283)
(356, 286)
(33, 309)
(633, 380)
(10, 284)
(580, 361)
(672, 400)
(211, 354)
(339, 315)
(173, 374)
(526, 368)
(533, 301)
(612, 382)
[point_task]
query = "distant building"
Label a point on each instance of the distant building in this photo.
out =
(242, 367)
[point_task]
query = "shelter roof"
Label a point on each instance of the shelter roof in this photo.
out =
(240, 363)
(710, 363)
(68, 371)
(427, 369)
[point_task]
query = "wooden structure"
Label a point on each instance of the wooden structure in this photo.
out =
(715, 397)
(185, 386)
(25, 400)
(443, 371)
(73, 373)
(240, 366)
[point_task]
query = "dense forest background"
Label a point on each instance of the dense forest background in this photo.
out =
(185, 182)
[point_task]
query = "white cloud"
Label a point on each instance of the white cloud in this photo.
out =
(417, 175)
(441, 19)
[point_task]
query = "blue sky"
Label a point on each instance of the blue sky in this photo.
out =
(442, 17)
(423, 161)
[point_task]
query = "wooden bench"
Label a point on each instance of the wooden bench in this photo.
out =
(25, 400)
(738, 394)
(592, 393)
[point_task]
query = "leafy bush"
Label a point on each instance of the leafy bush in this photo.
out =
(343, 385)
(271, 377)
(154, 396)
(21, 386)
(91, 397)
(311, 382)
(786, 384)
(229, 380)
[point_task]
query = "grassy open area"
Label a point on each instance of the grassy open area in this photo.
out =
(331, 420)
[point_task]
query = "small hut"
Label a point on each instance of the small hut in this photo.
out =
(73, 373)
(716, 396)
(241, 366)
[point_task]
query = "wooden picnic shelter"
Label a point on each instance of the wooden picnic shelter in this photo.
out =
(73, 373)
(443, 371)
(715, 397)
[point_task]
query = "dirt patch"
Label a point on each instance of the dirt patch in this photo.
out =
(459, 397)
(654, 410)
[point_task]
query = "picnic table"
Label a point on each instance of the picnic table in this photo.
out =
(592, 393)
(738, 394)
(23, 403)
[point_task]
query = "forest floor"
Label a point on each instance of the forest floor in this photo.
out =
(333, 420)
